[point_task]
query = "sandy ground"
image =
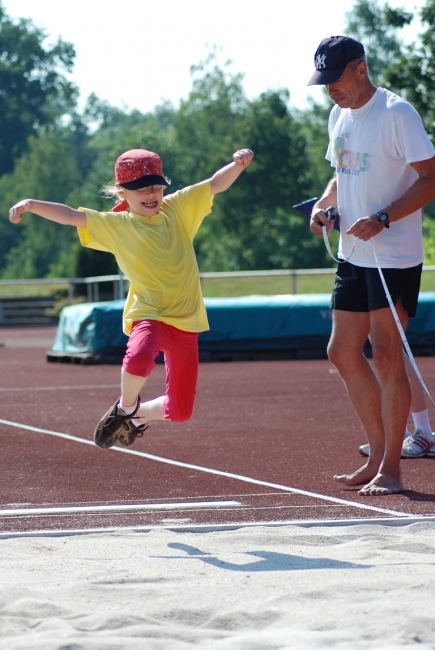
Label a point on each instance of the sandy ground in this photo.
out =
(345, 587)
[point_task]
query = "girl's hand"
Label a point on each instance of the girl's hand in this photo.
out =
(243, 157)
(16, 213)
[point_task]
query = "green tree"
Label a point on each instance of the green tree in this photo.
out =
(407, 70)
(47, 171)
(413, 73)
(255, 217)
(253, 225)
(33, 89)
(377, 27)
(209, 124)
(313, 123)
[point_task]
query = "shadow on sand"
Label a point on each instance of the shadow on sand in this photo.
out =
(269, 561)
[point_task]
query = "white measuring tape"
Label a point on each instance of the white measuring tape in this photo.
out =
(331, 213)
(390, 302)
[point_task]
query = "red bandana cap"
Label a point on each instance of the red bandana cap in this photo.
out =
(136, 169)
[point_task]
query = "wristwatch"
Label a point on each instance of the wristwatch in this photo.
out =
(383, 218)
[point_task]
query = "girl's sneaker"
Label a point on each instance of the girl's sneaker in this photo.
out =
(113, 424)
(128, 436)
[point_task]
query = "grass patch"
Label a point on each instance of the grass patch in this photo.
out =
(282, 285)
(427, 281)
(34, 290)
(266, 285)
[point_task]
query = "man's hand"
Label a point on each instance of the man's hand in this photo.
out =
(243, 157)
(16, 213)
(366, 228)
(319, 219)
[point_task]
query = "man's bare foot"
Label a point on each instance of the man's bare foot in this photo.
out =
(382, 484)
(360, 477)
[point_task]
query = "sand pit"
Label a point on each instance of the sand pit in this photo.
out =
(345, 587)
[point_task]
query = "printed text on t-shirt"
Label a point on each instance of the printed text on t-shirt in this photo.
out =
(347, 161)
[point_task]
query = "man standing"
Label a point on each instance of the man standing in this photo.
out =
(384, 174)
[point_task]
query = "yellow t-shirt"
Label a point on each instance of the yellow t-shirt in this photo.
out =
(156, 254)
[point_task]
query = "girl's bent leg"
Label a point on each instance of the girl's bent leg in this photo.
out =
(142, 348)
(181, 361)
(152, 410)
(131, 385)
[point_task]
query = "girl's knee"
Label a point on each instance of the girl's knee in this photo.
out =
(178, 412)
(181, 417)
(141, 363)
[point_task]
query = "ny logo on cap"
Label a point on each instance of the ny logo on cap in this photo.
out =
(320, 61)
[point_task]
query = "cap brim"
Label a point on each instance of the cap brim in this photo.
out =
(326, 77)
(145, 181)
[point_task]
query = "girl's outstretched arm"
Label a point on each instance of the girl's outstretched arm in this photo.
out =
(57, 212)
(225, 177)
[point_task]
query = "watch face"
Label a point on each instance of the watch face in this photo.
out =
(382, 217)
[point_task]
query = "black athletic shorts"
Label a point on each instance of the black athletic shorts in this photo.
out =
(358, 288)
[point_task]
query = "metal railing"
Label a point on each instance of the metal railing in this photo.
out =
(292, 273)
(120, 279)
(91, 282)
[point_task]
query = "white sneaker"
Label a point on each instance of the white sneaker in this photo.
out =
(431, 452)
(364, 450)
(417, 446)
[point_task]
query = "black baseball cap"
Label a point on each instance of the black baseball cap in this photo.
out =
(332, 57)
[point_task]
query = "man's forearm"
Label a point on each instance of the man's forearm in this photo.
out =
(329, 196)
(416, 197)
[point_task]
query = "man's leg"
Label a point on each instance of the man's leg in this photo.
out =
(416, 445)
(396, 396)
(345, 350)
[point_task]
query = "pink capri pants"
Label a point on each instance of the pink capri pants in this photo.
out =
(147, 339)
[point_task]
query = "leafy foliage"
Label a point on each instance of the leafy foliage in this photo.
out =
(48, 151)
(33, 90)
(408, 70)
(29, 250)
(253, 225)
(377, 27)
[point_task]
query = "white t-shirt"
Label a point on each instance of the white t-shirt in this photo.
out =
(371, 149)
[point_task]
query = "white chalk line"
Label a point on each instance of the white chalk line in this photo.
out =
(215, 528)
(216, 472)
(112, 508)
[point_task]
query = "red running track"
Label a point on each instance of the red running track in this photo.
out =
(262, 446)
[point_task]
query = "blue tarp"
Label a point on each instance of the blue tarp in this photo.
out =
(246, 323)
(91, 327)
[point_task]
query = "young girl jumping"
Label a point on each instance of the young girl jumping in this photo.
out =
(151, 237)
